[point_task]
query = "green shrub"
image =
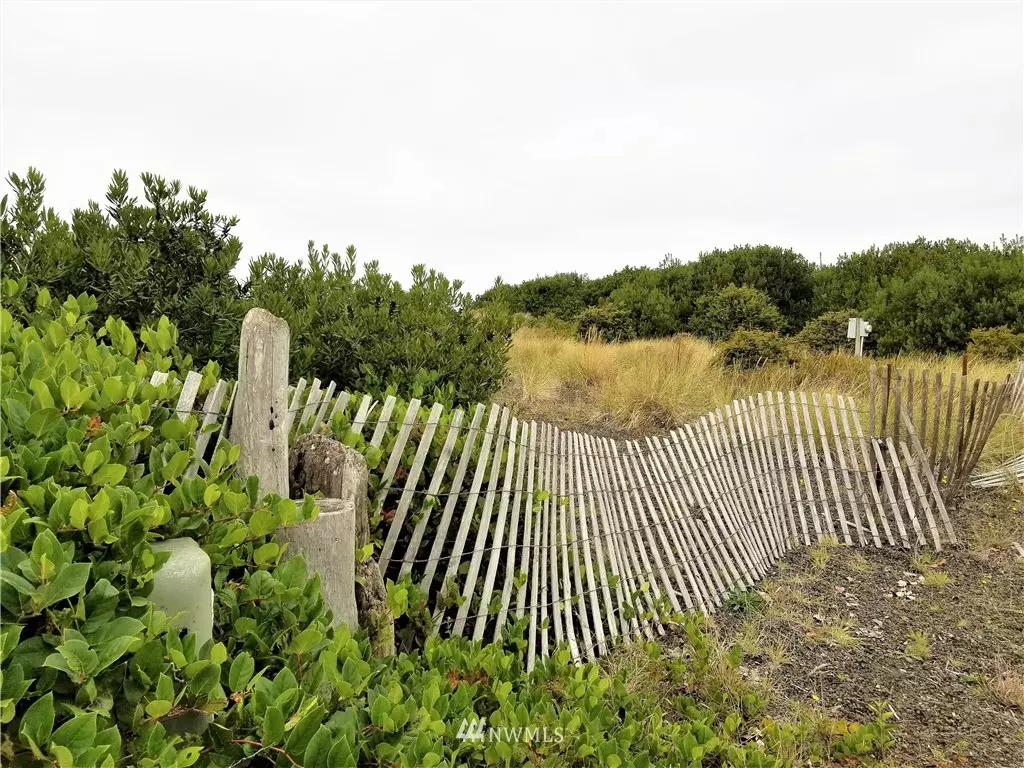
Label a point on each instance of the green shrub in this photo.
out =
(827, 333)
(996, 343)
(927, 295)
(165, 256)
(169, 256)
(366, 332)
(548, 323)
(732, 309)
(784, 276)
(607, 322)
(753, 349)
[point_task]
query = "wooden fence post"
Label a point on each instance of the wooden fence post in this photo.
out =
(259, 426)
(258, 422)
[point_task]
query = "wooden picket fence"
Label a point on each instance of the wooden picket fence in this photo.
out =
(1012, 471)
(593, 540)
(953, 417)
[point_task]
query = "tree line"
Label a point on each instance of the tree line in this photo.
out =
(922, 296)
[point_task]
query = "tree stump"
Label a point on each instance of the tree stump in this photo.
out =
(320, 464)
(328, 546)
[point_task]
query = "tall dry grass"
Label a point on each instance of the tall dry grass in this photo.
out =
(653, 385)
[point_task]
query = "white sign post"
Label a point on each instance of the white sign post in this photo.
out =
(857, 329)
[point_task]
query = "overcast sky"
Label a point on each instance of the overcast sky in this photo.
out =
(521, 139)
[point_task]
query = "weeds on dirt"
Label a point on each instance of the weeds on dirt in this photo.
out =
(744, 603)
(1007, 688)
(835, 633)
(936, 579)
(822, 551)
(857, 562)
(919, 646)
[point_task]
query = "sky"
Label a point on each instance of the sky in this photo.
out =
(521, 139)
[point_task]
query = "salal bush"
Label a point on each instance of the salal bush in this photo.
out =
(96, 467)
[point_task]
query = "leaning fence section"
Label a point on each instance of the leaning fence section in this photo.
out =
(592, 539)
(953, 416)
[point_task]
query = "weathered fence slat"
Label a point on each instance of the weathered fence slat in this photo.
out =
(671, 520)
(607, 530)
(592, 549)
(468, 507)
(410, 485)
(494, 552)
(869, 471)
(211, 412)
(513, 534)
(472, 498)
(561, 536)
(435, 483)
(629, 554)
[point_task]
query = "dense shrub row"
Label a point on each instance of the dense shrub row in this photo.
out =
(167, 255)
(919, 296)
(94, 468)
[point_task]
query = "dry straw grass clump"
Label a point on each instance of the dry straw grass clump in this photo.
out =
(656, 384)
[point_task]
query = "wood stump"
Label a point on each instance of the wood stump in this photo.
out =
(320, 464)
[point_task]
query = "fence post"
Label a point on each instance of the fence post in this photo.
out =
(260, 410)
(355, 591)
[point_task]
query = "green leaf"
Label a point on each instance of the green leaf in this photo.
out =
(37, 722)
(70, 392)
(20, 585)
(9, 636)
(69, 582)
(77, 734)
(93, 459)
(111, 651)
(42, 393)
(174, 429)
(188, 756)
(306, 640)
(211, 494)
(263, 522)
(158, 708)
(173, 468)
(318, 748)
(109, 474)
(41, 422)
(63, 756)
(241, 671)
(272, 730)
(266, 553)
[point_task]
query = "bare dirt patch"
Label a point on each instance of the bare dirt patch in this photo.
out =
(939, 637)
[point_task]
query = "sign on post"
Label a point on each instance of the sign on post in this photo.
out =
(857, 329)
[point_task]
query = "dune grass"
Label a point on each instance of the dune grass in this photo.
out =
(653, 385)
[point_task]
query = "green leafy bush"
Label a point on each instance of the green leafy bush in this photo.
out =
(169, 256)
(734, 309)
(368, 333)
(927, 295)
(827, 333)
(996, 343)
(785, 277)
(548, 323)
(608, 322)
(753, 349)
